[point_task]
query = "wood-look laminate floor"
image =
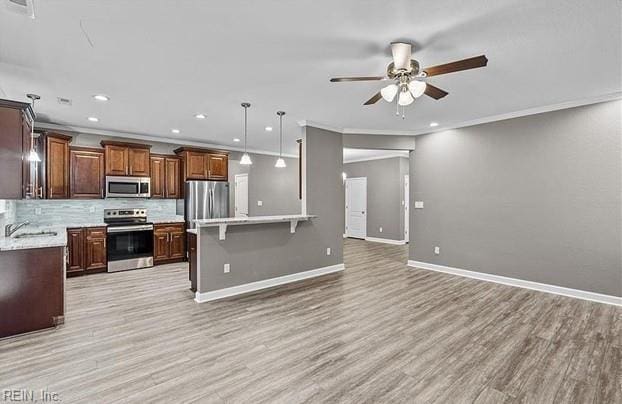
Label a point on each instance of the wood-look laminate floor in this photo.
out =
(379, 332)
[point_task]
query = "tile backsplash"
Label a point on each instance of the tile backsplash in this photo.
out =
(8, 216)
(59, 212)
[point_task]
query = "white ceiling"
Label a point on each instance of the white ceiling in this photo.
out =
(353, 155)
(162, 61)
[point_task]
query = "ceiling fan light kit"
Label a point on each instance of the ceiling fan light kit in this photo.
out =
(409, 80)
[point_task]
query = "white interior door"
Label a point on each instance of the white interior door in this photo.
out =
(241, 195)
(356, 207)
(406, 209)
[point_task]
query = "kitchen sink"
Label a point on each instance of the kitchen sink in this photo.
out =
(37, 234)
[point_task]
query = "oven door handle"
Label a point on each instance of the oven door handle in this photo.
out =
(124, 229)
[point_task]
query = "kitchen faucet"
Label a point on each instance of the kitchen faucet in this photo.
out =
(9, 229)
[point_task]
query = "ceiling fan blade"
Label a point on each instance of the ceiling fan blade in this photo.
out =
(373, 99)
(434, 92)
(464, 64)
(401, 55)
(364, 78)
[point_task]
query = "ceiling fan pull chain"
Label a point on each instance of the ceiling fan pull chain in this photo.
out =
(403, 112)
(397, 106)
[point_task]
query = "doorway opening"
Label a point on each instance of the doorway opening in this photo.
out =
(241, 195)
(356, 207)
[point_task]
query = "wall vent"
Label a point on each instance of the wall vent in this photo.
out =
(24, 7)
(64, 101)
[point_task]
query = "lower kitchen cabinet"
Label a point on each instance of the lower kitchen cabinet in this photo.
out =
(87, 252)
(169, 243)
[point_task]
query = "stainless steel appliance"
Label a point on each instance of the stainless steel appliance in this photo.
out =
(205, 200)
(128, 187)
(129, 238)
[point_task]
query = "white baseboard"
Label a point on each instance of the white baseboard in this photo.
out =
(385, 240)
(542, 287)
(264, 284)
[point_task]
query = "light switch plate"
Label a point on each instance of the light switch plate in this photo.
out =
(437, 250)
(37, 211)
(418, 204)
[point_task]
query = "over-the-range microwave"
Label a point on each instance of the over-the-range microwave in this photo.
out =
(128, 187)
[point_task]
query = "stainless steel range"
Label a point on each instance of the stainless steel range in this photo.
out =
(129, 238)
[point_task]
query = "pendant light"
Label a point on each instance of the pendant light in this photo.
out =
(280, 163)
(33, 155)
(246, 159)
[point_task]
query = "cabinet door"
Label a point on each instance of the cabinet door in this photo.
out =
(160, 245)
(75, 247)
(196, 166)
(217, 167)
(86, 174)
(158, 177)
(57, 167)
(177, 244)
(96, 252)
(11, 153)
(116, 160)
(172, 183)
(139, 162)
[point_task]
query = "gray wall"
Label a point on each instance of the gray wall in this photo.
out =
(277, 188)
(535, 198)
(264, 251)
(385, 142)
(385, 193)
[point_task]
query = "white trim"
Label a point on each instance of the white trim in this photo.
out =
(264, 284)
(493, 118)
(150, 138)
(371, 158)
(385, 240)
(542, 287)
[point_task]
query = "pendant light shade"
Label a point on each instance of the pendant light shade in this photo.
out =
(280, 163)
(246, 159)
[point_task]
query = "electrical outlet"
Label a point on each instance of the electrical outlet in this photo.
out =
(418, 204)
(380, 229)
(437, 250)
(227, 268)
(328, 251)
(37, 211)
(259, 203)
(92, 209)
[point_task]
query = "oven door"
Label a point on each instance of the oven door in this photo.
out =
(128, 187)
(130, 247)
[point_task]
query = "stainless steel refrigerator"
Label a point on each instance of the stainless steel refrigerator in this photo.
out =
(205, 200)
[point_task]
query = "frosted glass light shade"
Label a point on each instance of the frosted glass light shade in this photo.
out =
(406, 98)
(388, 92)
(280, 163)
(417, 88)
(246, 160)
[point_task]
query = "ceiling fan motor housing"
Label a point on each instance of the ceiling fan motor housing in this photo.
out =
(393, 73)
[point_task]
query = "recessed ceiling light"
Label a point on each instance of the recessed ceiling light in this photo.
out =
(200, 116)
(236, 139)
(93, 119)
(268, 128)
(433, 124)
(175, 131)
(101, 97)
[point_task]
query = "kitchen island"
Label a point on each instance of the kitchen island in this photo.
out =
(243, 254)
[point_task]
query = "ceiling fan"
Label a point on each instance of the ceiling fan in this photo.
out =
(409, 80)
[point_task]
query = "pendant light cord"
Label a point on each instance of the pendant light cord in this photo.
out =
(245, 127)
(281, 136)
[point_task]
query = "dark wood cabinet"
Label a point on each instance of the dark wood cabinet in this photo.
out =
(127, 159)
(86, 173)
(217, 167)
(169, 243)
(203, 164)
(87, 250)
(57, 165)
(139, 163)
(165, 177)
(15, 121)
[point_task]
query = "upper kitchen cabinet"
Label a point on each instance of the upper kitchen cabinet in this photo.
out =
(15, 126)
(86, 173)
(165, 177)
(57, 165)
(203, 164)
(127, 159)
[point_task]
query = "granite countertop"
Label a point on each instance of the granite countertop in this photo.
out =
(172, 219)
(251, 220)
(58, 240)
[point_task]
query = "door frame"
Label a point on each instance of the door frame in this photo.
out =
(236, 196)
(348, 181)
(406, 208)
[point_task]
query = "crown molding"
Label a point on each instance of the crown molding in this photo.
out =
(149, 138)
(320, 125)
